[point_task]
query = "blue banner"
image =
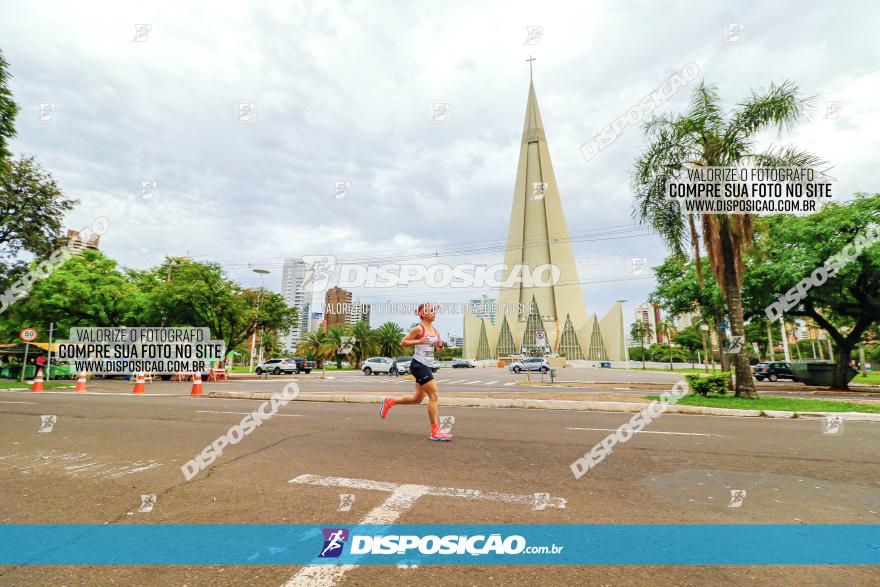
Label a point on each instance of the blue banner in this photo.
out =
(276, 544)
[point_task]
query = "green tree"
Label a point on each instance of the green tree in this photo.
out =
(333, 342)
(641, 330)
(89, 289)
(790, 249)
(189, 293)
(32, 210)
(316, 345)
(704, 137)
(388, 337)
(680, 290)
(665, 327)
(690, 338)
(365, 343)
(8, 112)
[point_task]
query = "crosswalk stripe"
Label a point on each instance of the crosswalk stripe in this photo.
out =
(471, 382)
(490, 383)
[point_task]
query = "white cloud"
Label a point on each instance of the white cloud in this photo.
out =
(343, 91)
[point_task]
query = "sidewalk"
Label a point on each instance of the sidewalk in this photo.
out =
(608, 403)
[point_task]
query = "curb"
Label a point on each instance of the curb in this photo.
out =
(544, 404)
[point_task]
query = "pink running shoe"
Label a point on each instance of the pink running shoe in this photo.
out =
(386, 404)
(436, 434)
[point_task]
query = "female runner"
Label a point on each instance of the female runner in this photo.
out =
(426, 340)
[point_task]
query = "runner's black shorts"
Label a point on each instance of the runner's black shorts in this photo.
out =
(421, 372)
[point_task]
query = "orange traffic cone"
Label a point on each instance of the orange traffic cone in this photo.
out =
(197, 384)
(38, 381)
(81, 382)
(139, 383)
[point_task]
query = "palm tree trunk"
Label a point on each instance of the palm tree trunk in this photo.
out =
(698, 265)
(745, 385)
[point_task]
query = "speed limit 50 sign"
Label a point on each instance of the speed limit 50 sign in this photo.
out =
(28, 334)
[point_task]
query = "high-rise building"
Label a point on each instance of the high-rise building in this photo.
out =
(341, 308)
(337, 302)
(552, 310)
(295, 296)
(650, 315)
(360, 312)
(93, 242)
(686, 320)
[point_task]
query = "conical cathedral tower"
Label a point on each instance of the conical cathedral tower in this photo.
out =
(538, 246)
(538, 236)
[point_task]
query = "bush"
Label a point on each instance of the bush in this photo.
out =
(706, 384)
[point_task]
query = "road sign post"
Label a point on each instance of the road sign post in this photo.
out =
(28, 335)
(540, 339)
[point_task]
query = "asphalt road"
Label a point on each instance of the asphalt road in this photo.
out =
(108, 448)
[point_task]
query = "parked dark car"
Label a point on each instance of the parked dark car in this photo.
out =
(304, 365)
(463, 364)
(774, 371)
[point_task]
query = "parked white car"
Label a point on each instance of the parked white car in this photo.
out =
(376, 365)
(530, 364)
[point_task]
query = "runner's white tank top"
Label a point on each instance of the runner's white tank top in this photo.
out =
(424, 353)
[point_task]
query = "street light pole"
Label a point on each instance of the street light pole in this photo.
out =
(261, 273)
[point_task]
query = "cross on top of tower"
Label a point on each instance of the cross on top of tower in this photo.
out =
(530, 59)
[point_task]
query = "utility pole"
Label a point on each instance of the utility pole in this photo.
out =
(262, 273)
(770, 355)
(49, 361)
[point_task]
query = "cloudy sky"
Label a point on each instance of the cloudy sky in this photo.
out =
(343, 91)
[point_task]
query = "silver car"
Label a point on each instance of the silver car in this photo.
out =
(530, 364)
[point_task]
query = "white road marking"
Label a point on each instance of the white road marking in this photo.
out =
(246, 413)
(511, 383)
(402, 498)
(647, 432)
(472, 382)
(32, 403)
(490, 383)
(74, 464)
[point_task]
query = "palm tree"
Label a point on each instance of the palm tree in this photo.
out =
(364, 343)
(665, 326)
(388, 337)
(308, 344)
(333, 342)
(318, 345)
(640, 330)
(704, 136)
